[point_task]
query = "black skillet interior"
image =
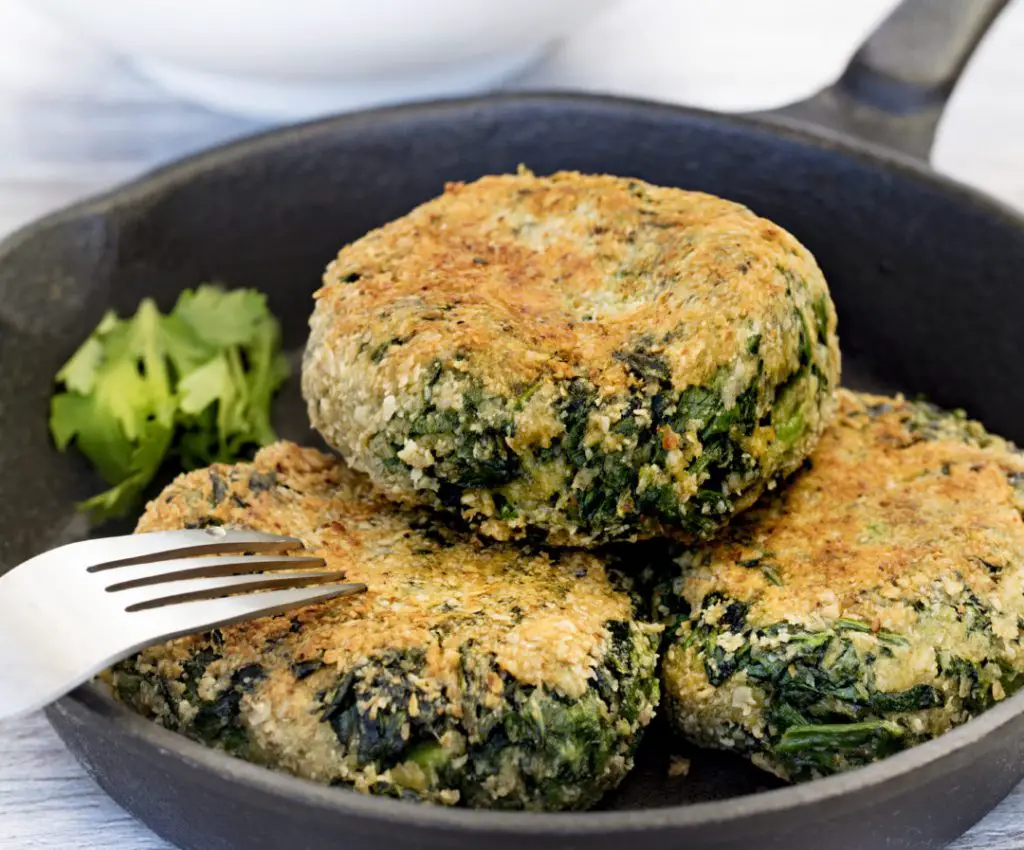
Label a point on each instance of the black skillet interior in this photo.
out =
(925, 277)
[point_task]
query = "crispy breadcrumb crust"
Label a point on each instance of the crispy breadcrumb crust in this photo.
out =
(525, 350)
(484, 675)
(875, 602)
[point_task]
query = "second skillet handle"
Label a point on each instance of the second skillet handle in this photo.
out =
(894, 89)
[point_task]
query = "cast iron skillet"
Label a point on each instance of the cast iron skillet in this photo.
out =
(926, 275)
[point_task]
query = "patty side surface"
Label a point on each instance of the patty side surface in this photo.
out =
(589, 358)
(875, 602)
(468, 674)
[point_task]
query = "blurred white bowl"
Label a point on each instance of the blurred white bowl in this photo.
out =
(297, 59)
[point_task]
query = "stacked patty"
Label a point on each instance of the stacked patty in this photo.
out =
(588, 360)
(874, 603)
(584, 358)
(470, 674)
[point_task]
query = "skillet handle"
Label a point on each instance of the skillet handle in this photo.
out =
(894, 90)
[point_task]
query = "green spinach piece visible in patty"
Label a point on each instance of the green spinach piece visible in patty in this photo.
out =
(823, 710)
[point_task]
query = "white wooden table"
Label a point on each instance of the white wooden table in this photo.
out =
(74, 121)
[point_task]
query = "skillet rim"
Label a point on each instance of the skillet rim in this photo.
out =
(91, 704)
(770, 122)
(97, 706)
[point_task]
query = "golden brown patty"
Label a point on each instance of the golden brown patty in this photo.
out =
(875, 602)
(589, 357)
(469, 674)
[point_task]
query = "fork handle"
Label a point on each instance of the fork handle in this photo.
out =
(60, 658)
(27, 686)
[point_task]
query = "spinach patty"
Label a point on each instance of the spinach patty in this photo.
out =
(469, 674)
(876, 602)
(585, 358)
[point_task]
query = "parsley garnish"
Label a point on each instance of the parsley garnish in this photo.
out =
(193, 386)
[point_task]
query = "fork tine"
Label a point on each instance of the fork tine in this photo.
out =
(190, 590)
(149, 573)
(31, 684)
(202, 615)
(103, 553)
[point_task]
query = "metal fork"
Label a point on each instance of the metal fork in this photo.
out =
(69, 613)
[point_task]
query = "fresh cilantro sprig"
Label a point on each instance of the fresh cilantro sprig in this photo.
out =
(193, 386)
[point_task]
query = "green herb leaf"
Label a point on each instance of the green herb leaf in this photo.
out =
(195, 385)
(878, 737)
(846, 624)
(205, 385)
(223, 319)
(79, 373)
